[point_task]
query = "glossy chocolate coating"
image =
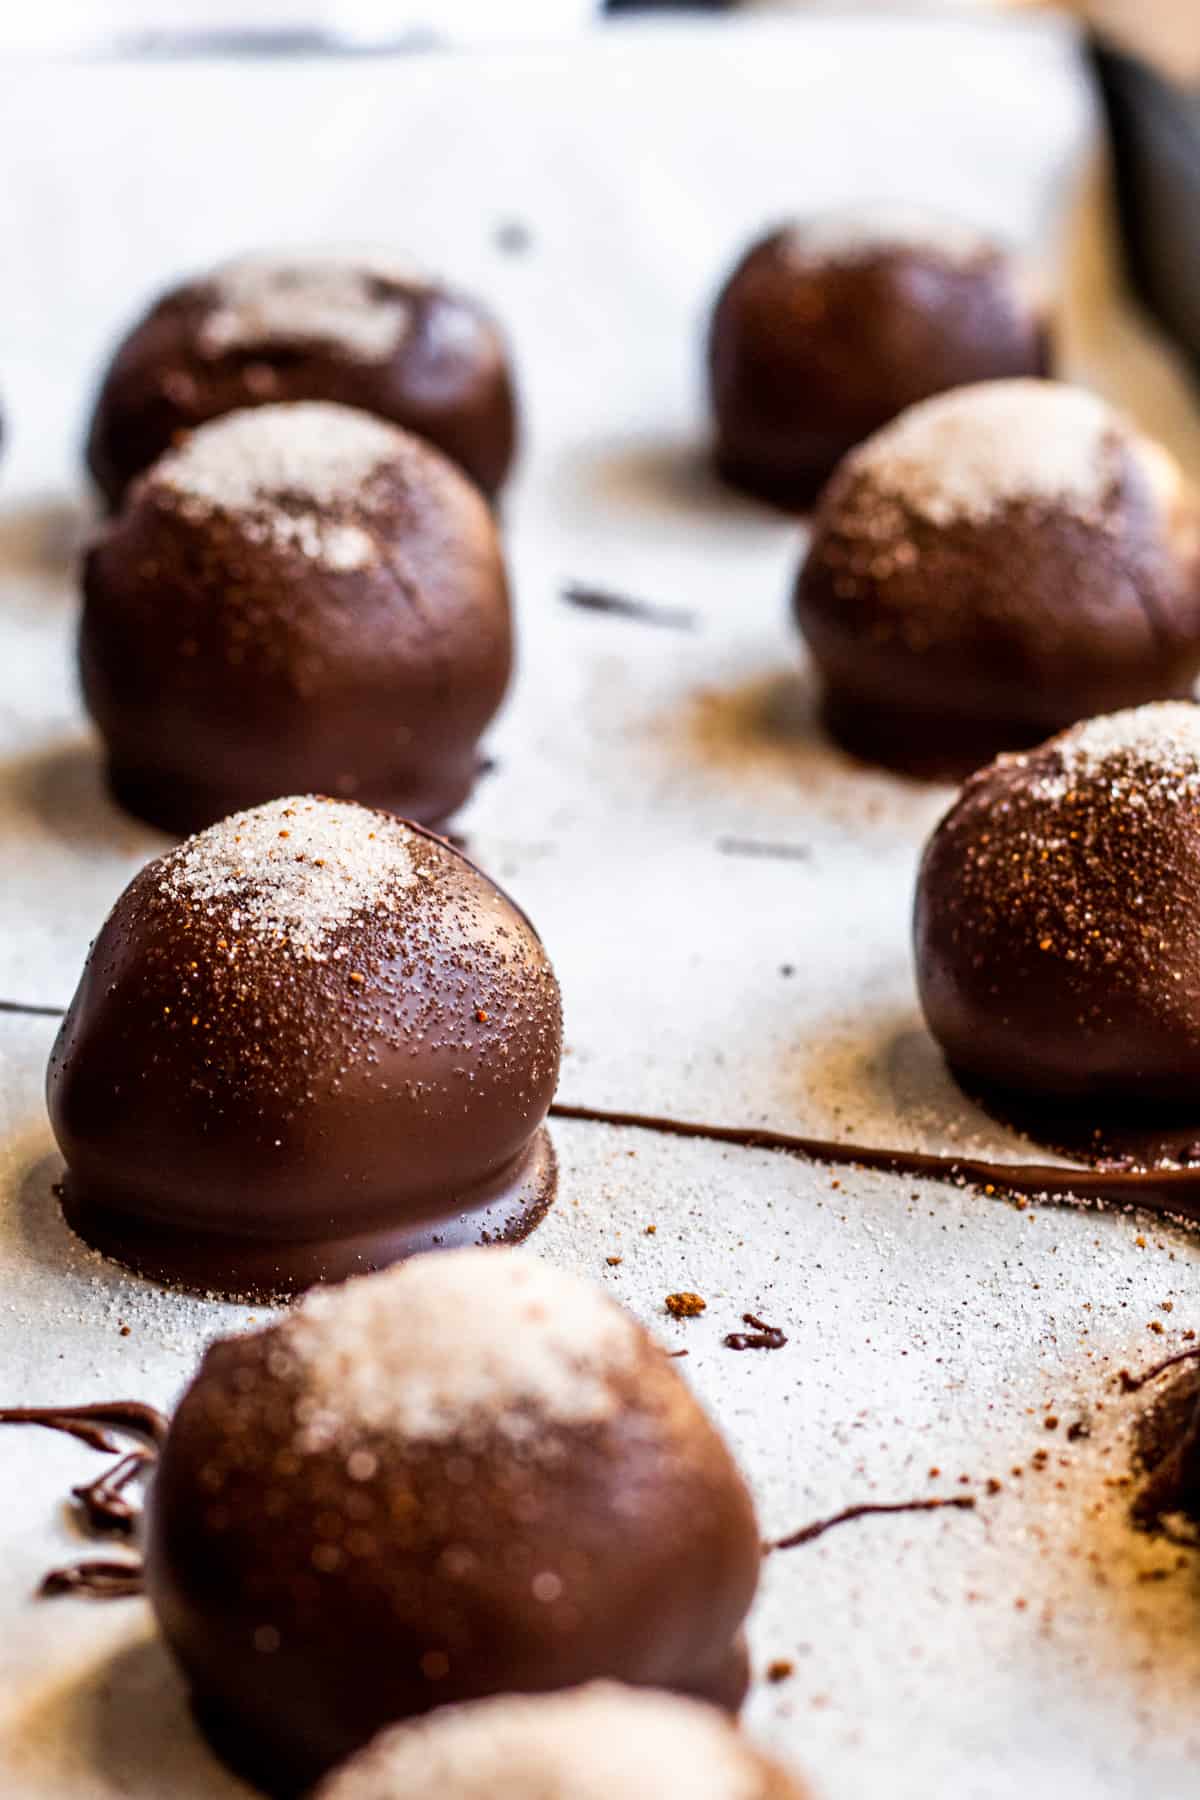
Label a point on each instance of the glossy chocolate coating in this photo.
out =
(400, 1516)
(823, 333)
(264, 618)
(250, 1101)
(1057, 928)
(599, 1740)
(957, 605)
(273, 329)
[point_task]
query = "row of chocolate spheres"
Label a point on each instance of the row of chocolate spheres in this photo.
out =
(301, 596)
(404, 1493)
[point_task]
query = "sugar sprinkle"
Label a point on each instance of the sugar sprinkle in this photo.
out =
(349, 306)
(293, 870)
(472, 1338)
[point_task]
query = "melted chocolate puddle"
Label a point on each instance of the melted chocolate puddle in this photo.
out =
(1174, 1192)
(102, 1502)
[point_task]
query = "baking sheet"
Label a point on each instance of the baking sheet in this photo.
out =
(1013, 1649)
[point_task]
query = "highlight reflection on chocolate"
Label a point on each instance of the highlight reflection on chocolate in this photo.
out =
(474, 1474)
(310, 1041)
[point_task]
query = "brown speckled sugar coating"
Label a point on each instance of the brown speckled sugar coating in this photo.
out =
(367, 333)
(299, 597)
(307, 1042)
(472, 1475)
(601, 1742)
(996, 564)
(826, 330)
(1057, 928)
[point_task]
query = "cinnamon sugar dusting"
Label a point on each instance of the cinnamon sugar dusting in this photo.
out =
(1088, 842)
(301, 476)
(293, 870)
(591, 1743)
(478, 1339)
(967, 454)
(860, 233)
(353, 308)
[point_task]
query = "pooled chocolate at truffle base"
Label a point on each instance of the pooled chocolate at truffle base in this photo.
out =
(600, 1742)
(826, 330)
(300, 598)
(472, 1475)
(1057, 925)
(265, 329)
(306, 1043)
(997, 564)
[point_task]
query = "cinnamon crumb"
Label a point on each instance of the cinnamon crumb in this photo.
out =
(685, 1305)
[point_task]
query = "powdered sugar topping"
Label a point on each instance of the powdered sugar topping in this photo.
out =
(348, 306)
(294, 870)
(286, 472)
(967, 453)
(591, 1743)
(471, 1339)
(1144, 752)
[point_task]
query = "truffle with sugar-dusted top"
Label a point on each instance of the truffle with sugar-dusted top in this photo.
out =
(1057, 928)
(363, 331)
(993, 566)
(829, 328)
(471, 1475)
(297, 597)
(600, 1742)
(308, 1042)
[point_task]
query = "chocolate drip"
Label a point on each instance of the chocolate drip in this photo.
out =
(1175, 1192)
(763, 1336)
(623, 606)
(1131, 1383)
(103, 1501)
(93, 1425)
(865, 1510)
(99, 1580)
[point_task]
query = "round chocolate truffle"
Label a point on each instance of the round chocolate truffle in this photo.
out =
(600, 1742)
(826, 330)
(363, 333)
(1057, 928)
(473, 1475)
(996, 564)
(299, 597)
(305, 1043)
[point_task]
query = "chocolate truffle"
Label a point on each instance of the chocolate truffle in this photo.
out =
(299, 597)
(305, 1043)
(601, 1742)
(473, 1475)
(826, 330)
(1057, 929)
(996, 564)
(365, 333)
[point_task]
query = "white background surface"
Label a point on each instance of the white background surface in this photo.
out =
(1015, 1650)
